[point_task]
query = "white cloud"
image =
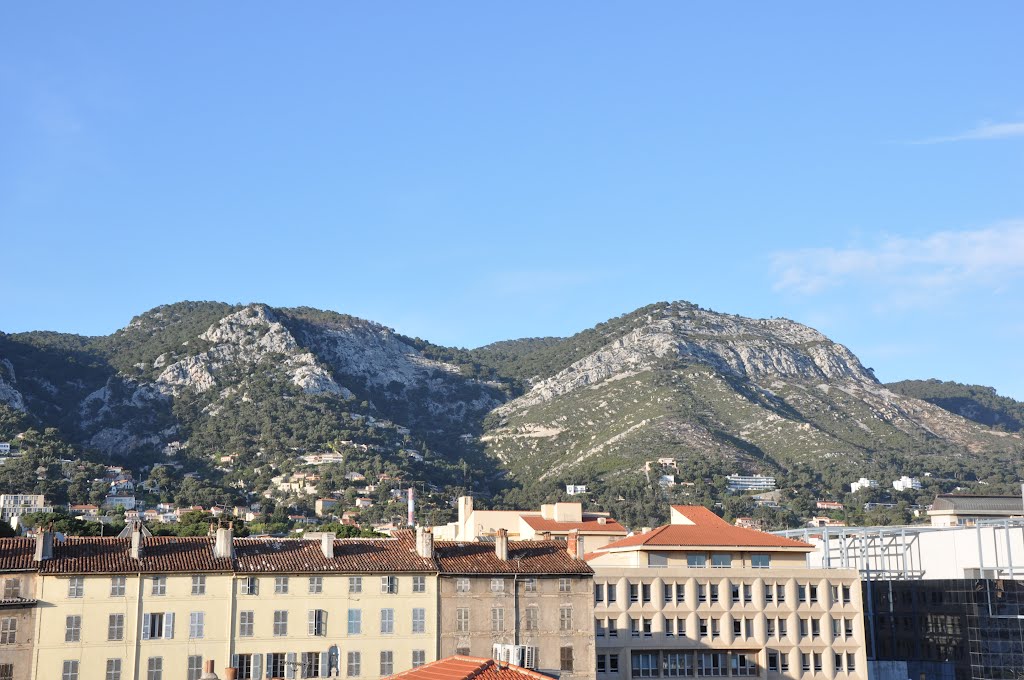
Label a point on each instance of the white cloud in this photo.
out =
(981, 132)
(913, 269)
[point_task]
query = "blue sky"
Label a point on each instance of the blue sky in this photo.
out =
(469, 172)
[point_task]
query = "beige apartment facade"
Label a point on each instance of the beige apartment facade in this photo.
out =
(529, 603)
(17, 608)
(700, 597)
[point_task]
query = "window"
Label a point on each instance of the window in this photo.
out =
(497, 585)
(280, 623)
(462, 585)
(804, 625)
(159, 588)
(703, 628)
(565, 658)
(801, 593)
(721, 560)
(835, 594)
(760, 561)
(389, 584)
(117, 586)
(354, 665)
(657, 560)
(113, 670)
(419, 620)
(667, 593)
(769, 627)
(837, 630)
(419, 657)
(7, 672)
(250, 585)
(69, 671)
(670, 627)
(73, 629)
(355, 584)
(645, 592)
(276, 664)
(780, 593)
(316, 622)
(851, 662)
(497, 619)
(773, 661)
(848, 627)
(805, 662)
(311, 665)
(702, 592)
(155, 668)
(748, 593)
(748, 628)
(681, 627)
(529, 585)
(611, 592)
(634, 592)
(714, 592)
(245, 667)
(565, 618)
(462, 619)
(280, 585)
(387, 663)
(355, 621)
(564, 585)
(246, 623)
(195, 667)
(199, 584)
(316, 586)
(711, 663)
(634, 627)
(196, 625)
(12, 588)
(115, 627)
(462, 651)
(680, 592)
(817, 662)
(598, 592)
(645, 665)
(76, 588)
(157, 625)
(387, 620)
(838, 657)
(676, 664)
(613, 663)
(737, 628)
(743, 664)
(600, 627)
(815, 628)
(602, 663)
(696, 560)
(419, 584)
(735, 594)
(613, 628)
(813, 592)
(647, 627)
(846, 594)
(782, 628)
(8, 631)
(769, 593)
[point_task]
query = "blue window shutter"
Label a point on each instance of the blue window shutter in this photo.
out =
(289, 669)
(257, 665)
(145, 627)
(325, 664)
(169, 625)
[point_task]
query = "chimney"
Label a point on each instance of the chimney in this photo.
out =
(425, 543)
(209, 673)
(572, 543)
(224, 544)
(545, 535)
(44, 545)
(501, 544)
(136, 540)
(602, 521)
(327, 544)
(411, 520)
(230, 673)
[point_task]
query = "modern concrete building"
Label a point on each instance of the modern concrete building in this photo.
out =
(556, 521)
(702, 597)
(905, 483)
(863, 483)
(19, 504)
(740, 483)
(963, 510)
(529, 603)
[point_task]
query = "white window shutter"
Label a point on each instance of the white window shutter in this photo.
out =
(311, 622)
(145, 627)
(169, 625)
(257, 665)
(234, 661)
(325, 664)
(289, 668)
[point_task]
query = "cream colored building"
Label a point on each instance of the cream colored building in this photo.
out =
(156, 608)
(17, 608)
(554, 520)
(700, 597)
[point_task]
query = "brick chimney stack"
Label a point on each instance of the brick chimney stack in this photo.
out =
(501, 544)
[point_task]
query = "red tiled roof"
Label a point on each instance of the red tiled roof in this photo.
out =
(589, 525)
(17, 554)
(708, 529)
(160, 554)
(259, 555)
(524, 557)
(470, 668)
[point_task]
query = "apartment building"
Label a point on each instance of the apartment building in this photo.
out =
(700, 597)
(17, 608)
(529, 603)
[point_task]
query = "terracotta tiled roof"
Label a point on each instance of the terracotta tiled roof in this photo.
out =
(708, 529)
(470, 668)
(588, 525)
(524, 557)
(17, 554)
(258, 555)
(160, 554)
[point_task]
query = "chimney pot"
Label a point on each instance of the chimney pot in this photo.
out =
(136, 540)
(224, 544)
(327, 545)
(501, 544)
(425, 543)
(230, 673)
(44, 545)
(572, 543)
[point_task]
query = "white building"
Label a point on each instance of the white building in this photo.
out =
(18, 504)
(863, 483)
(905, 483)
(5, 448)
(740, 483)
(125, 501)
(575, 489)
